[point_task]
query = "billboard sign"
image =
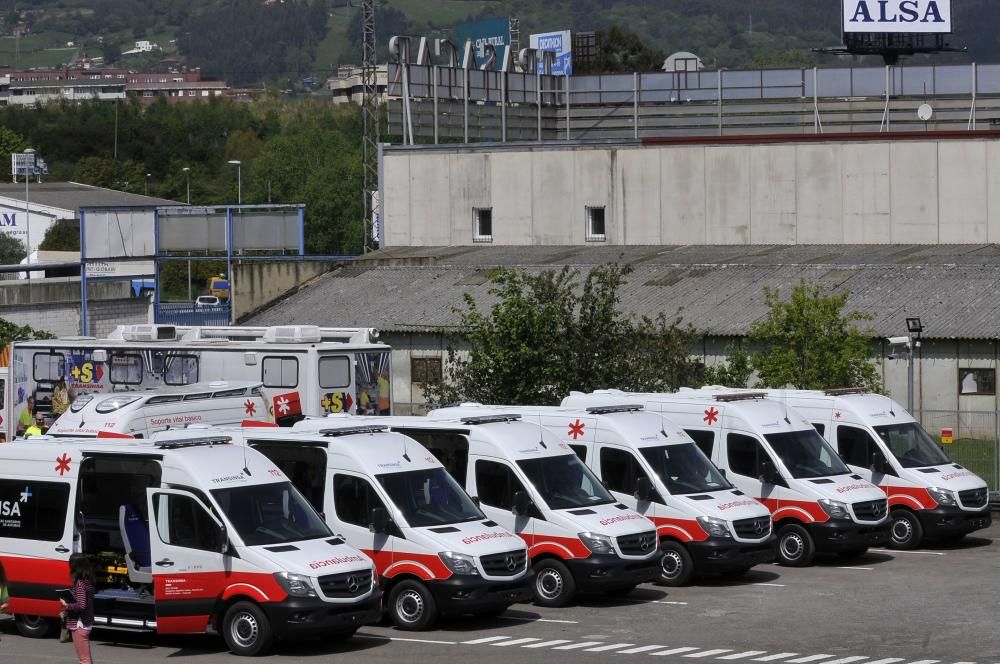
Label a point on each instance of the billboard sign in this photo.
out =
(889, 16)
(494, 32)
(561, 43)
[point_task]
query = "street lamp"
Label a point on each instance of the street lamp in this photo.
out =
(911, 342)
(146, 183)
(29, 170)
(187, 174)
(239, 179)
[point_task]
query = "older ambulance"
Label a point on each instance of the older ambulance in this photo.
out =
(434, 550)
(140, 414)
(189, 536)
(650, 464)
(775, 456)
(929, 494)
(529, 482)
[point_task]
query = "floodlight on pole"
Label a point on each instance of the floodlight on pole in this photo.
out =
(146, 183)
(29, 170)
(187, 174)
(239, 179)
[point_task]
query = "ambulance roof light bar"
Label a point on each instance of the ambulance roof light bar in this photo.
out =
(205, 441)
(491, 419)
(351, 431)
(846, 390)
(607, 410)
(740, 396)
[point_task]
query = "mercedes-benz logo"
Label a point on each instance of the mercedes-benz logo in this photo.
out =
(644, 544)
(511, 563)
(758, 527)
(353, 584)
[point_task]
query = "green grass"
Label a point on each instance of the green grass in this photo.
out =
(38, 50)
(976, 454)
(444, 13)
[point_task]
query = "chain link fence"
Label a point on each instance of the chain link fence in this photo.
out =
(975, 439)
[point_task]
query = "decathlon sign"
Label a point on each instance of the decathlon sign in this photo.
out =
(560, 43)
(881, 16)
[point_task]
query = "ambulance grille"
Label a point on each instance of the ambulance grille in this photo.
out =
(504, 564)
(873, 510)
(754, 529)
(351, 584)
(639, 544)
(974, 497)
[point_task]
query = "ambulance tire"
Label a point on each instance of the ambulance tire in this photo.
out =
(246, 630)
(554, 583)
(676, 566)
(795, 546)
(907, 531)
(34, 627)
(412, 606)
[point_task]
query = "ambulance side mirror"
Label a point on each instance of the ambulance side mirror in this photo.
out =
(522, 503)
(769, 474)
(476, 501)
(223, 543)
(378, 521)
(643, 489)
(880, 464)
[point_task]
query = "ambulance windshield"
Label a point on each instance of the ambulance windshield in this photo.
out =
(564, 482)
(270, 514)
(805, 454)
(429, 497)
(912, 446)
(684, 469)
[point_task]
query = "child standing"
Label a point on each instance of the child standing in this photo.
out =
(80, 612)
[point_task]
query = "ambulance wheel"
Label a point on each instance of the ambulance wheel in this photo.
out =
(412, 606)
(247, 630)
(554, 584)
(795, 546)
(676, 567)
(907, 533)
(34, 627)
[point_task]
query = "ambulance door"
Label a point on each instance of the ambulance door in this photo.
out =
(354, 501)
(189, 563)
(622, 473)
(496, 485)
(746, 461)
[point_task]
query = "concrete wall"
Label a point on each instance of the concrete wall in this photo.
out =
(870, 192)
(53, 305)
(257, 284)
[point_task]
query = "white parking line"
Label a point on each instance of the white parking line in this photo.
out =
(400, 638)
(810, 658)
(847, 660)
(635, 651)
(544, 620)
(488, 639)
(515, 642)
(661, 601)
(547, 644)
(918, 553)
(926, 661)
(575, 646)
(672, 651)
(773, 585)
(887, 660)
(862, 569)
(613, 646)
(741, 655)
(771, 658)
(709, 653)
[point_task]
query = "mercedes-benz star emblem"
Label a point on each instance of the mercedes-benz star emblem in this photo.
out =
(758, 527)
(511, 563)
(644, 544)
(353, 584)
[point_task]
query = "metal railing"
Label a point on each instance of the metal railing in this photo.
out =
(975, 436)
(186, 313)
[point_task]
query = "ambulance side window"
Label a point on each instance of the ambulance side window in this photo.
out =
(354, 498)
(705, 440)
(496, 484)
(451, 449)
(580, 451)
(181, 521)
(820, 428)
(619, 470)
(744, 454)
(854, 445)
(33, 510)
(279, 372)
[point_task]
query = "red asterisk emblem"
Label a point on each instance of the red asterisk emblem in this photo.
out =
(63, 464)
(711, 416)
(837, 414)
(576, 429)
(250, 407)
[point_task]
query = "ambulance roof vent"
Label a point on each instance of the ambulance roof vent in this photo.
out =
(293, 334)
(491, 419)
(352, 431)
(607, 410)
(204, 441)
(148, 332)
(740, 396)
(845, 390)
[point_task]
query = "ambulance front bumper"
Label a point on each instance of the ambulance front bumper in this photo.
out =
(725, 555)
(946, 521)
(598, 573)
(838, 535)
(459, 595)
(311, 616)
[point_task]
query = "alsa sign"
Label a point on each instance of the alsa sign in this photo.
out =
(881, 16)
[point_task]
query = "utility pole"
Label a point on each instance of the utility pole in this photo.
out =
(370, 102)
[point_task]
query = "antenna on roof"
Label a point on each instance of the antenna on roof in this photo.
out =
(405, 455)
(245, 468)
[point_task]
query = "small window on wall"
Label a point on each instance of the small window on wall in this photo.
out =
(181, 370)
(977, 381)
(334, 372)
(126, 369)
(50, 367)
(482, 224)
(425, 370)
(595, 224)
(279, 372)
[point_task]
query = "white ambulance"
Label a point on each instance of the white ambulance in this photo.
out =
(529, 482)
(140, 414)
(650, 464)
(436, 553)
(775, 456)
(188, 536)
(929, 494)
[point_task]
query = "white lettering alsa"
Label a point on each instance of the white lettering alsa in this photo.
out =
(10, 508)
(909, 11)
(619, 519)
(486, 536)
(335, 561)
(851, 487)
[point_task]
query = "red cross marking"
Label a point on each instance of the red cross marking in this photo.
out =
(576, 429)
(711, 415)
(250, 407)
(63, 464)
(837, 414)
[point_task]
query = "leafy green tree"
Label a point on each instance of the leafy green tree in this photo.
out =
(734, 372)
(11, 332)
(11, 250)
(809, 341)
(548, 334)
(623, 51)
(64, 235)
(9, 142)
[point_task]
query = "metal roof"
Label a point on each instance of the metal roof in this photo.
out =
(73, 196)
(719, 290)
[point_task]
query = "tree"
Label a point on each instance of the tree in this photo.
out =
(11, 250)
(735, 372)
(623, 51)
(64, 235)
(10, 142)
(11, 332)
(809, 342)
(548, 334)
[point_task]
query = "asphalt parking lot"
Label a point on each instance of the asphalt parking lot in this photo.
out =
(931, 606)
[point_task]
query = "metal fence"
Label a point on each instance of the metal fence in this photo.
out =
(186, 313)
(975, 436)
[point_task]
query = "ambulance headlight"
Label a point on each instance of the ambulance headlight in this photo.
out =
(597, 543)
(942, 496)
(296, 585)
(834, 508)
(459, 563)
(714, 527)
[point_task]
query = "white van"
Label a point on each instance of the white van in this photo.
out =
(140, 414)
(650, 464)
(929, 494)
(188, 536)
(529, 482)
(775, 456)
(435, 551)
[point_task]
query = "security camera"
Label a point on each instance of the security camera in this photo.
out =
(898, 341)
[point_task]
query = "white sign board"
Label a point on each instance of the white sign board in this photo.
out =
(120, 268)
(884, 16)
(13, 222)
(561, 43)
